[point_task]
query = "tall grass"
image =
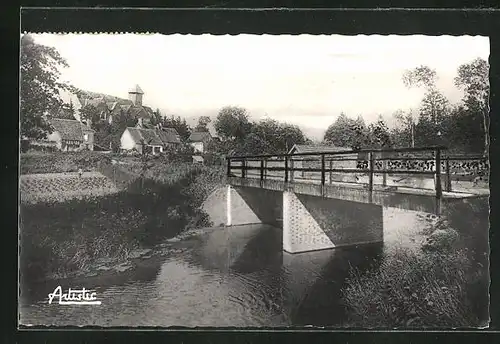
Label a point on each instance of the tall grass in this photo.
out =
(445, 284)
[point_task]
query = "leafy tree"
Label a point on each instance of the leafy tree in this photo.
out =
(39, 73)
(66, 111)
(270, 136)
(346, 132)
(421, 76)
(403, 133)
(473, 79)
(157, 118)
(178, 124)
(232, 123)
(203, 122)
(90, 113)
(379, 134)
(434, 107)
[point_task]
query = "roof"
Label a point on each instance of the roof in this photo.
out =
(198, 136)
(169, 135)
(154, 136)
(317, 148)
(69, 129)
(197, 158)
(136, 89)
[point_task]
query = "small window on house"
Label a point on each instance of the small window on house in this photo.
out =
(86, 137)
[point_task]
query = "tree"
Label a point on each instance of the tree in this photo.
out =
(90, 113)
(403, 133)
(156, 118)
(274, 136)
(66, 111)
(203, 122)
(379, 134)
(433, 109)
(232, 123)
(39, 74)
(473, 79)
(346, 132)
(178, 124)
(422, 76)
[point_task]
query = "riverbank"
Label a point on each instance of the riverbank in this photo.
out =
(443, 283)
(97, 234)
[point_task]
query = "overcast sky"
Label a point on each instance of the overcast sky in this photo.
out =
(306, 80)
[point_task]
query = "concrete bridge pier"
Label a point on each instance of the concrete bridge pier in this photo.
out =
(309, 222)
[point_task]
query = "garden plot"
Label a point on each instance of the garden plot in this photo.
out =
(59, 187)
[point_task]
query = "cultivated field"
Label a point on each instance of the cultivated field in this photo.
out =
(59, 187)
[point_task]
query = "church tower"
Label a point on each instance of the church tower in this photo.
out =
(135, 95)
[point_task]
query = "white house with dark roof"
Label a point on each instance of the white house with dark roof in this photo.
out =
(70, 135)
(155, 139)
(199, 140)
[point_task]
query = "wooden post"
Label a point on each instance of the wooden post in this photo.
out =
(448, 175)
(265, 168)
(292, 172)
(439, 191)
(228, 166)
(286, 169)
(243, 168)
(322, 169)
(331, 166)
(262, 170)
(370, 176)
(384, 167)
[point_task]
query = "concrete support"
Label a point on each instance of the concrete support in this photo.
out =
(301, 232)
(228, 206)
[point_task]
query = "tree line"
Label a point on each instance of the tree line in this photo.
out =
(462, 127)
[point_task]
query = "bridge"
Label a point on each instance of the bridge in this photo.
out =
(336, 198)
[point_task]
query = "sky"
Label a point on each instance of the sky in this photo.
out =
(306, 80)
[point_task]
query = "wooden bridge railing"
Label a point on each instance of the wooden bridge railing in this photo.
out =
(372, 162)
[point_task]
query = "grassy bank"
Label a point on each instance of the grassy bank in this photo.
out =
(444, 284)
(59, 238)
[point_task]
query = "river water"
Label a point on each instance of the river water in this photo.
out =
(236, 276)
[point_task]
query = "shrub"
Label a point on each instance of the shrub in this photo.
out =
(414, 290)
(60, 162)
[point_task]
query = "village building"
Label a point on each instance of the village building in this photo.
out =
(111, 106)
(70, 135)
(199, 140)
(143, 138)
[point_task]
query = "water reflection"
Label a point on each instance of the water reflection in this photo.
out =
(235, 276)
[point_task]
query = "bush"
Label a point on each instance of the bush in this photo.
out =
(445, 284)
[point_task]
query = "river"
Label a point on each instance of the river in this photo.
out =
(237, 276)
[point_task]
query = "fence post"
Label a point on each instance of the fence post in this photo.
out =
(439, 191)
(331, 166)
(370, 176)
(384, 167)
(448, 175)
(286, 169)
(261, 170)
(292, 172)
(243, 168)
(322, 174)
(228, 166)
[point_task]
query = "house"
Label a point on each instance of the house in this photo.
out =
(198, 159)
(156, 140)
(342, 161)
(199, 140)
(110, 106)
(71, 135)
